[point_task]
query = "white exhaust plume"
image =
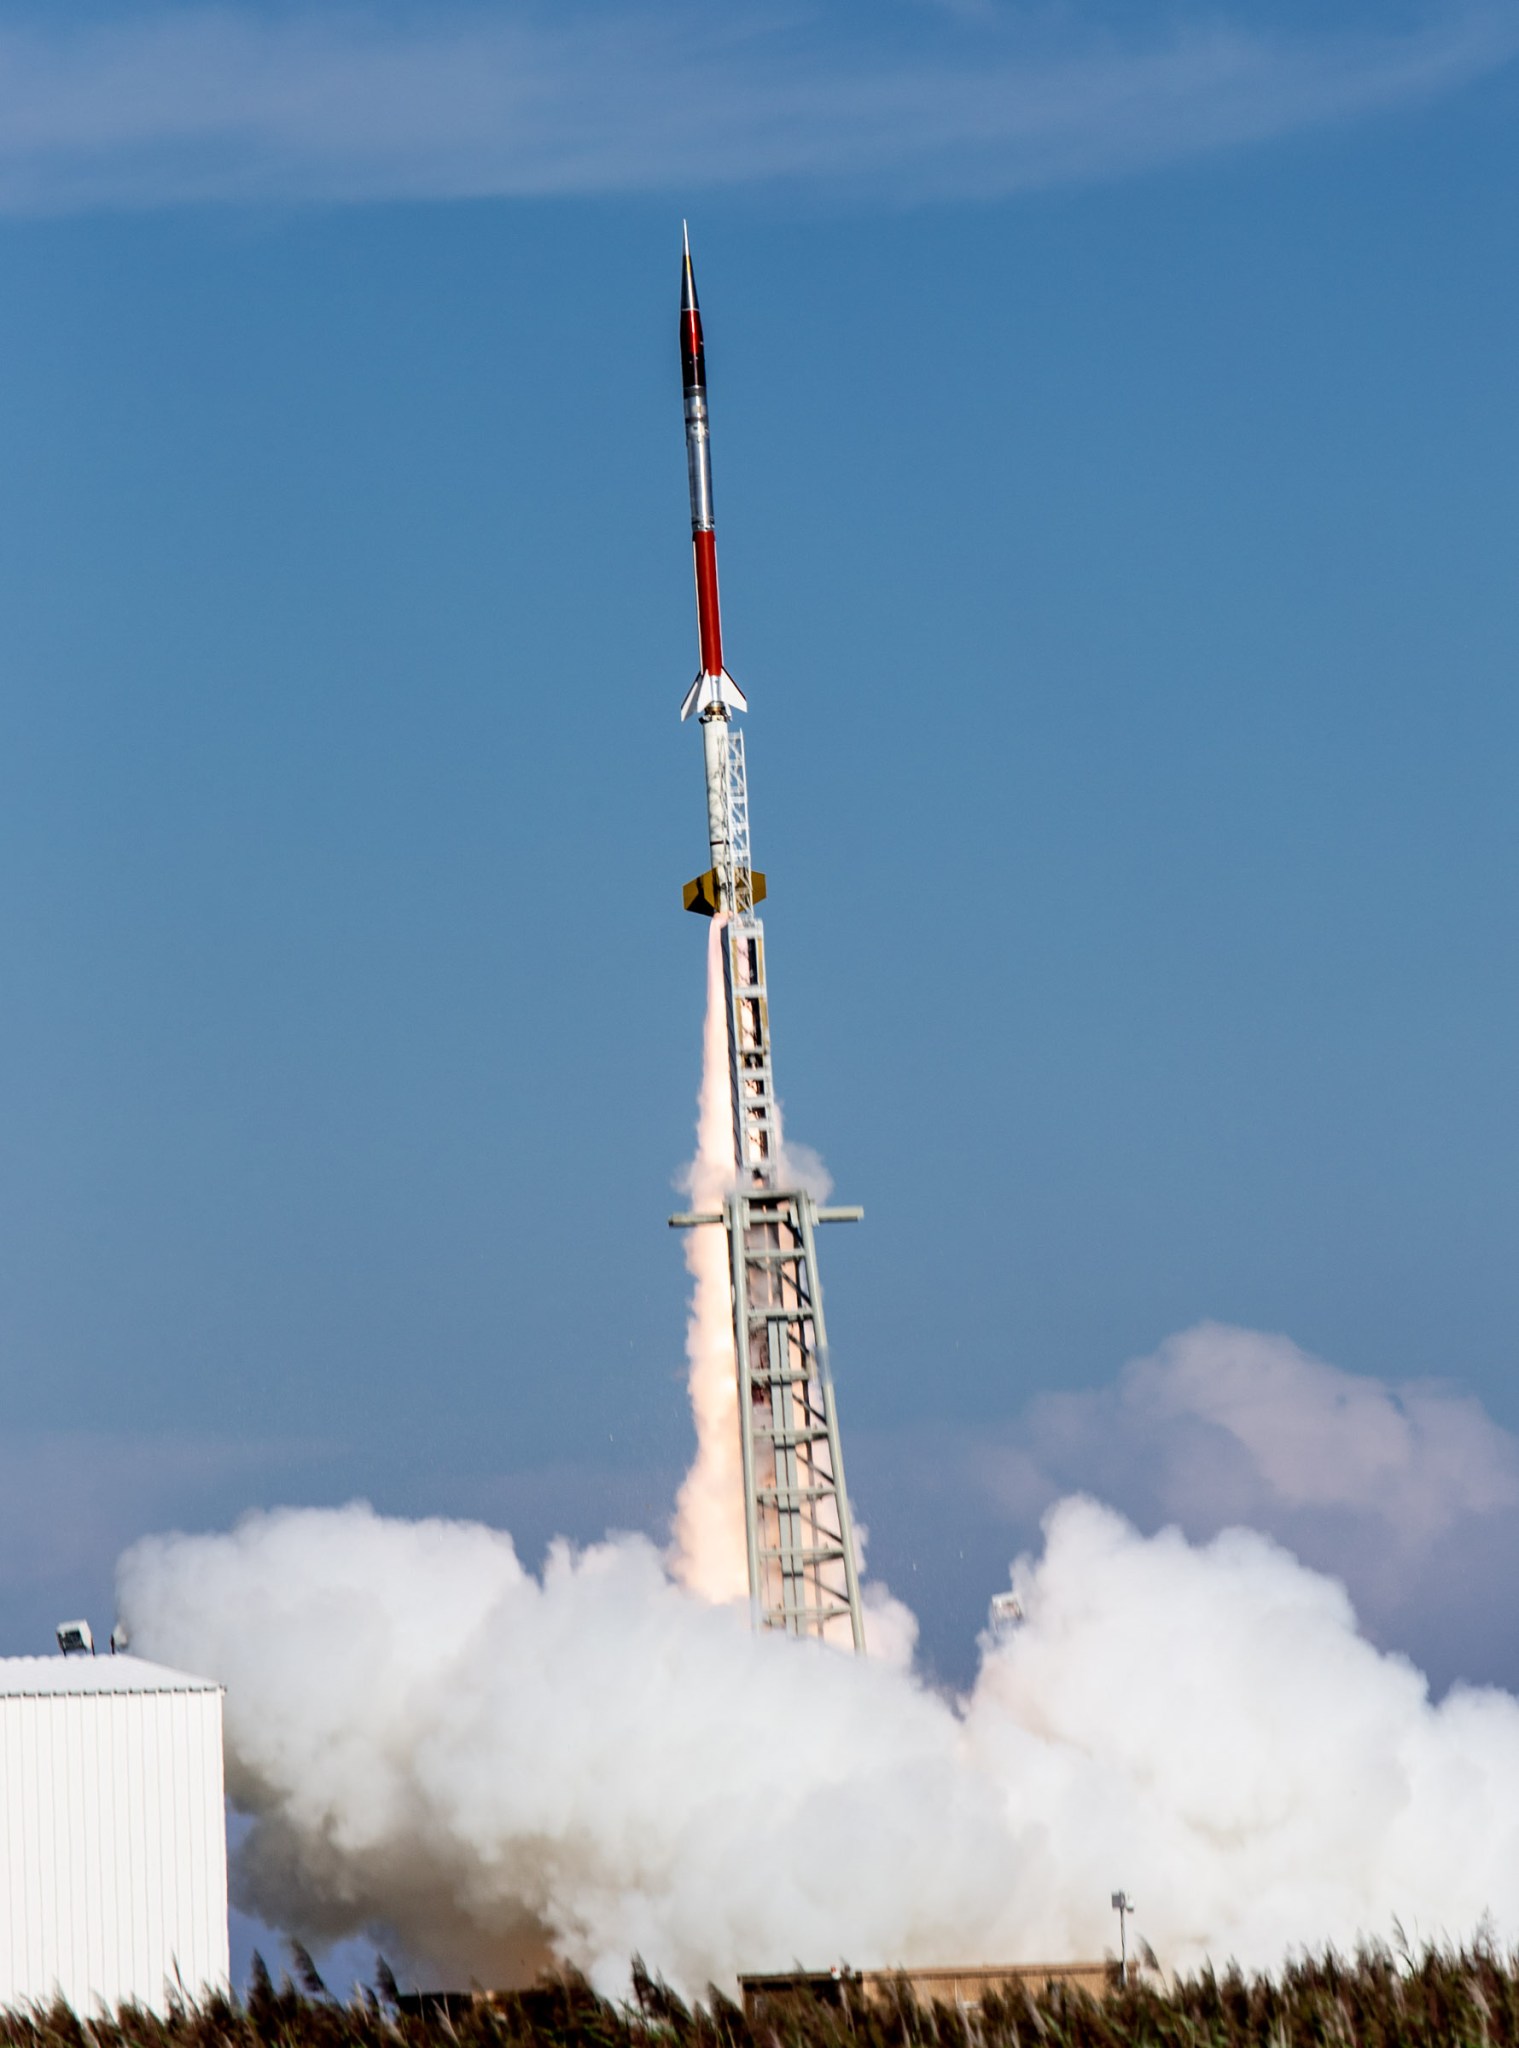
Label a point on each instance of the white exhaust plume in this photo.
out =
(711, 1554)
(439, 1747)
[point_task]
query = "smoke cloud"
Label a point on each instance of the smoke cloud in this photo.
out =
(1241, 1423)
(1409, 1492)
(489, 1770)
(491, 1767)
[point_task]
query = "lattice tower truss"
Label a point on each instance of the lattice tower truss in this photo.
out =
(803, 1575)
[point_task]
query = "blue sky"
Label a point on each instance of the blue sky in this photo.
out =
(1115, 458)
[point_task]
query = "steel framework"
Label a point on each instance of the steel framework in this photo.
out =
(803, 1575)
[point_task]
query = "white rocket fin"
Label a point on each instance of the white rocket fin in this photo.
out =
(708, 690)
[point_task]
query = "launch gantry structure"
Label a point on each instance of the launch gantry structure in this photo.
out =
(803, 1573)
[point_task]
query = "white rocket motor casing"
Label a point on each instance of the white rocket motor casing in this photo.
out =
(709, 691)
(714, 740)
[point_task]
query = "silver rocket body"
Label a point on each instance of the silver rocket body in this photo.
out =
(699, 460)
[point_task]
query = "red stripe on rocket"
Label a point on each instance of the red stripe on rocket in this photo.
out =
(714, 690)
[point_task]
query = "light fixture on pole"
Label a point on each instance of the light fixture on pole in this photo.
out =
(1123, 1906)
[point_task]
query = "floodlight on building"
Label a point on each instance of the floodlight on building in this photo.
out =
(76, 1639)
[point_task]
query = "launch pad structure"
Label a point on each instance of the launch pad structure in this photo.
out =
(803, 1574)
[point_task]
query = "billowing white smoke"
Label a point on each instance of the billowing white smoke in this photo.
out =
(493, 1769)
(1408, 1492)
(435, 1742)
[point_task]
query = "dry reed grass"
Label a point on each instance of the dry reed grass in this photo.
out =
(1380, 1999)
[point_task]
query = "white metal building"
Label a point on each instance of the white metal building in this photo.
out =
(113, 1843)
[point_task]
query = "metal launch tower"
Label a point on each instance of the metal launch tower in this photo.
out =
(803, 1576)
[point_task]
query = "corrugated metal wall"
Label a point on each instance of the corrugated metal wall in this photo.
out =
(113, 1848)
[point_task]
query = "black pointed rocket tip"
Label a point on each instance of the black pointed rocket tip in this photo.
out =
(687, 275)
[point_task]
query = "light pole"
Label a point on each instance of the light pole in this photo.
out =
(1123, 1906)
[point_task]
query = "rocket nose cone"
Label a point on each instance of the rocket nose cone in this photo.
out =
(687, 275)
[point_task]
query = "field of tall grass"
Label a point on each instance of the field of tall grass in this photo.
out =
(1440, 1999)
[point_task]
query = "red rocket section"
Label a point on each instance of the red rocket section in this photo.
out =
(708, 618)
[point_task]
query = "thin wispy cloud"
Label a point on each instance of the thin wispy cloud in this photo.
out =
(225, 104)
